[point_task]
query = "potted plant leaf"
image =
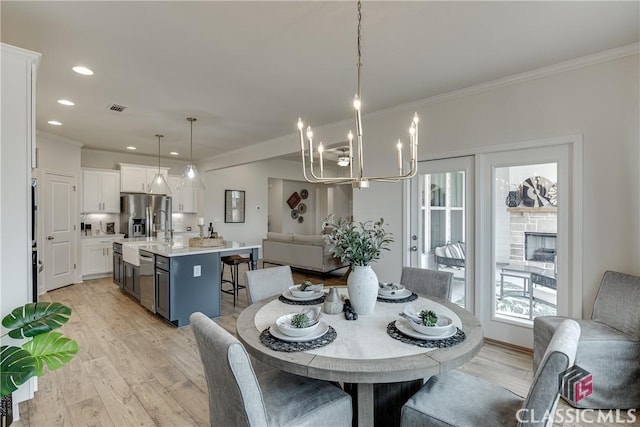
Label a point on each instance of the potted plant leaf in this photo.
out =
(360, 244)
(46, 348)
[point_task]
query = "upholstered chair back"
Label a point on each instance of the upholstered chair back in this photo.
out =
(618, 303)
(235, 398)
(430, 283)
(268, 282)
(544, 391)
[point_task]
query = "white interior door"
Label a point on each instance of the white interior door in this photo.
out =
(524, 258)
(59, 230)
(442, 215)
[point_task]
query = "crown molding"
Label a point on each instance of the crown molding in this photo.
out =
(561, 67)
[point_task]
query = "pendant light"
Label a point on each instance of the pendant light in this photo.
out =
(191, 179)
(159, 184)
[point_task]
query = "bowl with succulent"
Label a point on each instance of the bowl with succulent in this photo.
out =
(299, 324)
(390, 289)
(426, 321)
(305, 289)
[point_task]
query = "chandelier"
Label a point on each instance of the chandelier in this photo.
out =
(357, 179)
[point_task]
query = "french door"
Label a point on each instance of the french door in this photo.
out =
(442, 228)
(512, 212)
(524, 260)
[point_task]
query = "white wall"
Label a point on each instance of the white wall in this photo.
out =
(598, 101)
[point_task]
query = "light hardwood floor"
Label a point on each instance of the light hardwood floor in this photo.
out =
(134, 369)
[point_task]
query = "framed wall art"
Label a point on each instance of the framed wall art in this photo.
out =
(233, 206)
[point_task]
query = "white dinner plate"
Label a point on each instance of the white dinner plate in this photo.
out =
(322, 329)
(399, 295)
(407, 330)
(316, 295)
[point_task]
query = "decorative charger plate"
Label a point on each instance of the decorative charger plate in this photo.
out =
(317, 294)
(304, 193)
(302, 208)
(404, 327)
(294, 213)
(323, 328)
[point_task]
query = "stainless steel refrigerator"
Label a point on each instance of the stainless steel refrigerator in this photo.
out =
(143, 215)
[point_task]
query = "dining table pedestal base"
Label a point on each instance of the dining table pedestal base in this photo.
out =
(386, 398)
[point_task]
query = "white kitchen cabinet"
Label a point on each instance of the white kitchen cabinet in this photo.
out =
(100, 191)
(182, 201)
(97, 255)
(137, 178)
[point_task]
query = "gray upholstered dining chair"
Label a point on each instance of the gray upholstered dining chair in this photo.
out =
(430, 283)
(239, 397)
(267, 282)
(458, 399)
(610, 344)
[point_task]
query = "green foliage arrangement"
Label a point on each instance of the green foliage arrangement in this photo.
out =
(300, 320)
(37, 321)
(358, 243)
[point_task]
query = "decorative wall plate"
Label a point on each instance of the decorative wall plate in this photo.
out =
(294, 213)
(300, 219)
(304, 193)
(534, 192)
(302, 208)
(293, 200)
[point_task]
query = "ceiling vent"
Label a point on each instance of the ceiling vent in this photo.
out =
(117, 108)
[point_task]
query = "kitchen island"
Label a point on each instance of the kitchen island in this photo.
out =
(172, 279)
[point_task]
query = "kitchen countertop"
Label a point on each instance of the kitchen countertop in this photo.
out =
(180, 246)
(103, 235)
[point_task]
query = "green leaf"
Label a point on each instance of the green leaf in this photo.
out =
(51, 349)
(16, 367)
(36, 318)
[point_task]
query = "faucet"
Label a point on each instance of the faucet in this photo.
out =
(157, 225)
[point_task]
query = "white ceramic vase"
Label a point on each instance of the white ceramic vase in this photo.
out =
(362, 285)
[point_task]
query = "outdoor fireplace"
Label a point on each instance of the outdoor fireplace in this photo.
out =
(540, 247)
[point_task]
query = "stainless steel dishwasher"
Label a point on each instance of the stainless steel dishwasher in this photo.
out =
(147, 287)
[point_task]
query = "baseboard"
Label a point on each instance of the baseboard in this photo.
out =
(509, 346)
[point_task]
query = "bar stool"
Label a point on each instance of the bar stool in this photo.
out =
(233, 261)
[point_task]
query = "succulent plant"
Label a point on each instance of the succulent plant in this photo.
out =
(300, 320)
(305, 285)
(429, 317)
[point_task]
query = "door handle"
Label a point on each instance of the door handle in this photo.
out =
(414, 248)
(49, 237)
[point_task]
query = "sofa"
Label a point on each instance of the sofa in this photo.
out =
(307, 252)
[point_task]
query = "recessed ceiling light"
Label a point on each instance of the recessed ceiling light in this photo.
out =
(174, 153)
(131, 147)
(66, 102)
(83, 70)
(54, 123)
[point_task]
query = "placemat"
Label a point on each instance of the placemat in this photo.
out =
(410, 298)
(446, 342)
(318, 300)
(278, 345)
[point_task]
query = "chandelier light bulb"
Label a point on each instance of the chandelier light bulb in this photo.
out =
(300, 124)
(309, 133)
(356, 103)
(350, 135)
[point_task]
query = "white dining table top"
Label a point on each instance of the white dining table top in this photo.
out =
(362, 352)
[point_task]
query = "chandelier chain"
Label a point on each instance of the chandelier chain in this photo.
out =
(359, 45)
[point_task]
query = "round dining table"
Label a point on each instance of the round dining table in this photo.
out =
(364, 355)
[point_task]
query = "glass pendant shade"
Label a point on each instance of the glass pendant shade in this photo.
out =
(191, 179)
(159, 184)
